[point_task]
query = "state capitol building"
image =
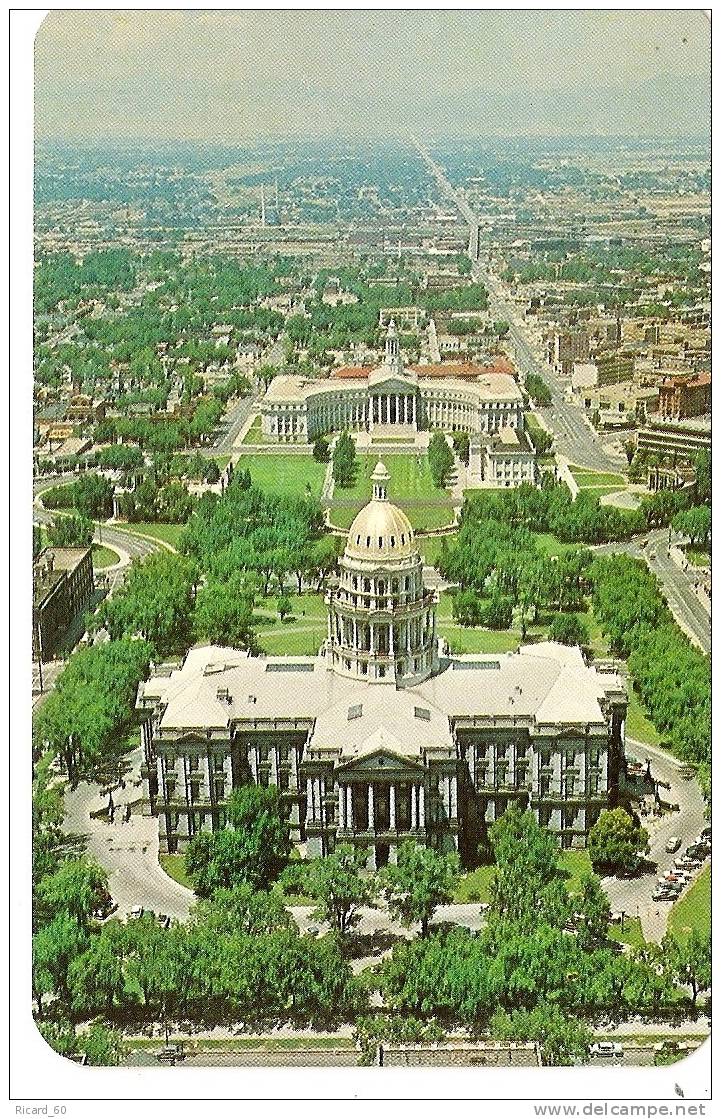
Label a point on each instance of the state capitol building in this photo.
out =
(384, 735)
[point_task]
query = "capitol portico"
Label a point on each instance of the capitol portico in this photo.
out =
(384, 735)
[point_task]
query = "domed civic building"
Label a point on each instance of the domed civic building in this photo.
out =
(381, 619)
(384, 735)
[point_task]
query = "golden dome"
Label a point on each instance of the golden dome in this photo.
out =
(381, 531)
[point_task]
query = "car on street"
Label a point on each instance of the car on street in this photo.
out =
(673, 844)
(606, 1049)
(136, 911)
(664, 895)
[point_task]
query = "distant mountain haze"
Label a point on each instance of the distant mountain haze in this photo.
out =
(229, 76)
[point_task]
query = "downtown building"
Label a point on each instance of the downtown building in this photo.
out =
(384, 735)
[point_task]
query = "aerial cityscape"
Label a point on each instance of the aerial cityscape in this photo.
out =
(371, 616)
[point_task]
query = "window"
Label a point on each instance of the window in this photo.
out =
(422, 713)
(355, 712)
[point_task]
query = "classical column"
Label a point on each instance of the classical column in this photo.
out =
(414, 807)
(372, 640)
(349, 806)
(452, 796)
(341, 806)
(390, 639)
(421, 806)
(392, 802)
(310, 807)
(371, 819)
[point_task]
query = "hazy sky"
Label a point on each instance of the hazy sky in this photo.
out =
(229, 76)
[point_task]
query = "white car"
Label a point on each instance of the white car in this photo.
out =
(673, 844)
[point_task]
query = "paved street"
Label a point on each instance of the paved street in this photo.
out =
(633, 895)
(229, 427)
(128, 852)
(574, 436)
(687, 607)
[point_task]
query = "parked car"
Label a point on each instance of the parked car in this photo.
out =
(164, 920)
(171, 1054)
(136, 911)
(606, 1049)
(663, 895)
(706, 835)
(673, 844)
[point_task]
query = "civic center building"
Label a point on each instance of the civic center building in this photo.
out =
(383, 735)
(393, 399)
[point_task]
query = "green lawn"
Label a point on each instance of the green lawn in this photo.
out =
(301, 634)
(174, 867)
(169, 533)
(638, 724)
(287, 475)
(431, 546)
(693, 910)
(466, 639)
(595, 478)
(104, 557)
(410, 480)
(549, 545)
(475, 886)
(631, 933)
(254, 435)
(698, 557)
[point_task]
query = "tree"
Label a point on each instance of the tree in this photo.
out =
(616, 840)
(78, 887)
(54, 947)
(253, 849)
(592, 912)
(569, 629)
(695, 523)
(101, 1045)
(284, 606)
(420, 881)
(440, 459)
(562, 1040)
(688, 961)
(224, 612)
(527, 886)
(242, 910)
(335, 883)
(95, 978)
(155, 601)
(538, 390)
(344, 461)
(71, 532)
(702, 466)
(321, 449)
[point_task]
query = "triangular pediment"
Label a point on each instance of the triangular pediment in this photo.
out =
(379, 761)
(389, 380)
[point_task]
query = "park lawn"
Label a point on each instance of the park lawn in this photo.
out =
(638, 724)
(410, 480)
(598, 643)
(301, 634)
(254, 436)
(693, 909)
(475, 639)
(594, 478)
(602, 491)
(104, 557)
(631, 933)
(285, 475)
(549, 545)
(159, 531)
(431, 546)
(174, 867)
(476, 885)
(698, 557)
(575, 864)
